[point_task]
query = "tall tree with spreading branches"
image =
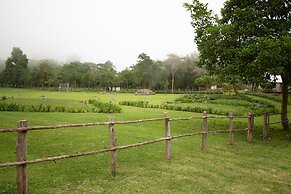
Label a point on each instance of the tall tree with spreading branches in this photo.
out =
(249, 43)
(15, 73)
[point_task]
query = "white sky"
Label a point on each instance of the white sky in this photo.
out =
(97, 30)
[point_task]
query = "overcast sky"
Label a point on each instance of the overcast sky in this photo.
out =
(97, 30)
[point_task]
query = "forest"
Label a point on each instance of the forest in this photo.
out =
(173, 73)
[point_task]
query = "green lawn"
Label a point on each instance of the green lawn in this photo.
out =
(263, 166)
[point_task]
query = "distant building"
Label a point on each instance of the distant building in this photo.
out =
(114, 89)
(278, 80)
(213, 87)
(64, 87)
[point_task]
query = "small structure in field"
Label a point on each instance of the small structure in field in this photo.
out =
(144, 92)
(64, 87)
(114, 89)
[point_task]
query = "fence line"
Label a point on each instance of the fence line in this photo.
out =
(267, 123)
(106, 123)
(55, 158)
(22, 130)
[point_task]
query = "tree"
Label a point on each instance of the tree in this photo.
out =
(250, 42)
(74, 73)
(126, 77)
(188, 72)
(205, 81)
(173, 62)
(92, 75)
(15, 72)
(143, 71)
(108, 74)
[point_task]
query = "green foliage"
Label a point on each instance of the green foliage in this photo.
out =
(102, 107)
(44, 74)
(249, 43)
(174, 72)
(11, 107)
(272, 97)
(256, 106)
(98, 107)
(193, 102)
(15, 72)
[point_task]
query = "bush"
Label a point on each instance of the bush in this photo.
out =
(268, 96)
(98, 107)
(256, 106)
(3, 97)
(102, 107)
(140, 104)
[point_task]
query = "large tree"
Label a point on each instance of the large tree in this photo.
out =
(172, 63)
(16, 71)
(143, 71)
(250, 42)
(74, 73)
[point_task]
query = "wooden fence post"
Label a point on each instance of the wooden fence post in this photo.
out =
(250, 127)
(112, 145)
(231, 128)
(268, 123)
(168, 136)
(204, 130)
(21, 152)
(265, 126)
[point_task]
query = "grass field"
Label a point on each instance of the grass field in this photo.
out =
(260, 167)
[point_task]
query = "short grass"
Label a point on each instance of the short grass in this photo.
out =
(263, 166)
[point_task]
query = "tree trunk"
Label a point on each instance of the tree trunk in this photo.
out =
(284, 104)
(173, 81)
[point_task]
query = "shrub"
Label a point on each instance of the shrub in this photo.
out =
(140, 104)
(102, 107)
(12, 106)
(3, 97)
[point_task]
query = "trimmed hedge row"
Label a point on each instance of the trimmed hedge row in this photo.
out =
(103, 107)
(268, 96)
(256, 105)
(95, 107)
(144, 104)
(257, 109)
(12, 106)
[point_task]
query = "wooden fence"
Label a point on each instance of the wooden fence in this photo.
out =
(23, 128)
(267, 123)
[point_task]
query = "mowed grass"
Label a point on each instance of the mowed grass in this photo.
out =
(263, 166)
(32, 96)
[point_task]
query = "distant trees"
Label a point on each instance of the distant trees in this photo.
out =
(173, 73)
(44, 74)
(127, 78)
(91, 75)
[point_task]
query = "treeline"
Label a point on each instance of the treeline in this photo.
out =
(170, 74)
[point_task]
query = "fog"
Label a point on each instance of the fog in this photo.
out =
(97, 31)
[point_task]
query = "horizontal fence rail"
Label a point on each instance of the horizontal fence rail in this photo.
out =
(75, 125)
(55, 158)
(267, 123)
(22, 130)
(106, 123)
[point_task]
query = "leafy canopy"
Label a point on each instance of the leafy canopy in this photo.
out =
(16, 68)
(249, 42)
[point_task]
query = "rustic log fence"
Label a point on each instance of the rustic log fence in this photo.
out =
(267, 123)
(23, 128)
